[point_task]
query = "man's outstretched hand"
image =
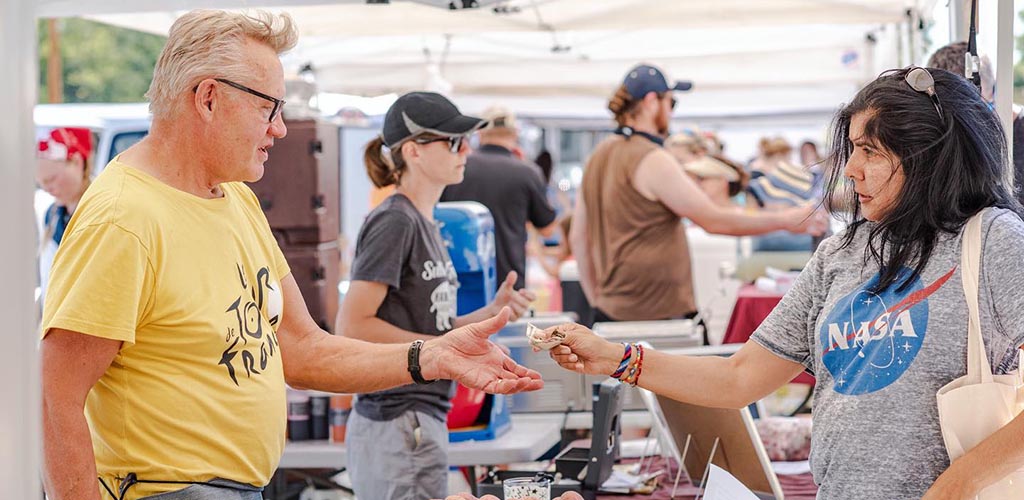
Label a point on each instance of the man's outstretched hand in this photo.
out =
(465, 355)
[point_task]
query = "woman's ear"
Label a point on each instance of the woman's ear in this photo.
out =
(410, 151)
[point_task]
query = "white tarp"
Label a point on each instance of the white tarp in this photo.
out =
(743, 57)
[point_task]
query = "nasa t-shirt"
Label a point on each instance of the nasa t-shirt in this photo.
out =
(400, 248)
(880, 357)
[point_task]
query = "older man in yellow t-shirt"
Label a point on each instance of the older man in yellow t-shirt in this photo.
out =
(172, 318)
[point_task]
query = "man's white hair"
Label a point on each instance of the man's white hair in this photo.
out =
(208, 44)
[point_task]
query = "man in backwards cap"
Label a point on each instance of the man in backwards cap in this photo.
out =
(173, 321)
(632, 251)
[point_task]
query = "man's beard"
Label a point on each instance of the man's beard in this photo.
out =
(662, 122)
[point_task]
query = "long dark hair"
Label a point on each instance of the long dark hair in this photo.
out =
(953, 167)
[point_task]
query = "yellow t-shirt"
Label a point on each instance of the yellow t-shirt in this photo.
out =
(192, 288)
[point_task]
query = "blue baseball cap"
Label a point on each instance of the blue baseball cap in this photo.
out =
(645, 78)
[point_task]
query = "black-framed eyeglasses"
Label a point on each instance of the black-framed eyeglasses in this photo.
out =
(922, 81)
(278, 103)
(454, 143)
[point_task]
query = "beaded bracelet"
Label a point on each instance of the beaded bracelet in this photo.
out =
(629, 372)
(624, 363)
(635, 367)
(639, 365)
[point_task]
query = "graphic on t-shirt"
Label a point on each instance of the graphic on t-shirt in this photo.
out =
(261, 300)
(442, 305)
(444, 298)
(870, 339)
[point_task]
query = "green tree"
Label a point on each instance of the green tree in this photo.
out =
(101, 63)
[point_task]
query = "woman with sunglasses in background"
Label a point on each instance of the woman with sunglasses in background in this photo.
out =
(879, 314)
(403, 289)
(63, 170)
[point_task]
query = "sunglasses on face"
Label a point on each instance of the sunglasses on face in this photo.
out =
(922, 81)
(278, 103)
(672, 102)
(454, 143)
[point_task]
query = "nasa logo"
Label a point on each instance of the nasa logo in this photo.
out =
(870, 339)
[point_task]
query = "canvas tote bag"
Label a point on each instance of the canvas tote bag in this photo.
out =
(976, 405)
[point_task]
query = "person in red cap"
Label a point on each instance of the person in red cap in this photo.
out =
(63, 169)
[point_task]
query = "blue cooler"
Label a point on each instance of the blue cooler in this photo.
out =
(467, 229)
(468, 232)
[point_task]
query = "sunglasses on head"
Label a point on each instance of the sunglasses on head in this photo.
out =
(921, 80)
(454, 143)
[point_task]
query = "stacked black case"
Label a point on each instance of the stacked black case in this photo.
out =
(300, 194)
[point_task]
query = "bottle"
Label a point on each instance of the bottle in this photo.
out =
(318, 426)
(341, 407)
(298, 416)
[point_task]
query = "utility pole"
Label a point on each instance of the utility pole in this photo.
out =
(54, 65)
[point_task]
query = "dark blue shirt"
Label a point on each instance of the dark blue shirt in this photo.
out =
(59, 217)
(513, 190)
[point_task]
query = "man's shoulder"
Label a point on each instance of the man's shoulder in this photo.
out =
(502, 166)
(118, 196)
(658, 158)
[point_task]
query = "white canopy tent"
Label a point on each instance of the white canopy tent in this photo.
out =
(807, 53)
(744, 57)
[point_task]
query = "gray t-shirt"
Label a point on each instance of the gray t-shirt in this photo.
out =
(880, 358)
(400, 248)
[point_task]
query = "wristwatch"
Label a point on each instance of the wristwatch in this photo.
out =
(414, 363)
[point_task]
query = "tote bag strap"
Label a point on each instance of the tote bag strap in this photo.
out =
(978, 368)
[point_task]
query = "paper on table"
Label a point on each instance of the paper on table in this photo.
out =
(722, 486)
(636, 448)
(791, 468)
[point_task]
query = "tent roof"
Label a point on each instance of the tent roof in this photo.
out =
(357, 18)
(741, 55)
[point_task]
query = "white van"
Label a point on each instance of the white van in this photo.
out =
(115, 127)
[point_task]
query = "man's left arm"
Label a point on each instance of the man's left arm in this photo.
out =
(315, 359)
(541, 214)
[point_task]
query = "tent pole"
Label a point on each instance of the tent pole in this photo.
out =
(912, 46)
(19, 418)
(1004, 76)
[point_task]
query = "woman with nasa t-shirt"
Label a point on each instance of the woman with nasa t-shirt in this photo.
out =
(403, 289)
(879, 313)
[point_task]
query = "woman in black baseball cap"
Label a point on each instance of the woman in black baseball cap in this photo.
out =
(403, 289)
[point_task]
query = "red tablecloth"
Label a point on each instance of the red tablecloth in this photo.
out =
(752, 307)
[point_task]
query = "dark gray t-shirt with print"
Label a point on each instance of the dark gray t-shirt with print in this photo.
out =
(880, 357)
(400, 248)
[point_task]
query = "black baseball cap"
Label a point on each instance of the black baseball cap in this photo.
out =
(416, 113)
(646, 78)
